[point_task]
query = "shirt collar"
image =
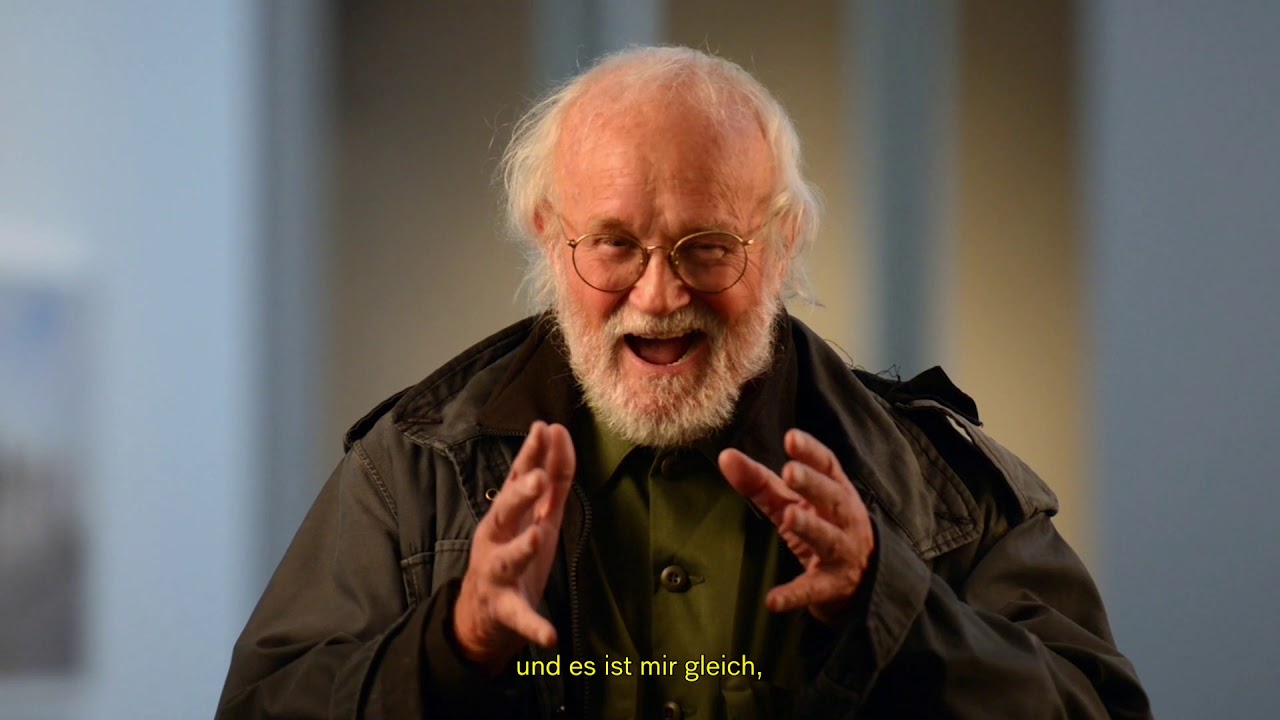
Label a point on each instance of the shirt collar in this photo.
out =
(600, 451)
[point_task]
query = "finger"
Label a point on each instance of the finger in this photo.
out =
(559, 461)
(515, 613)
(757, 483)
(560, 464)
(825, 539)
(807, 590)
(835, 500)
(531, 452)
(510, 559)
(514, 500)
(804, 447)
(803, 552)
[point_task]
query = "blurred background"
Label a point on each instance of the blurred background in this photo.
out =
(229, 228)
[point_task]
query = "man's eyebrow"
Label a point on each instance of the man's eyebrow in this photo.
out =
(610, 224)
(618, 226)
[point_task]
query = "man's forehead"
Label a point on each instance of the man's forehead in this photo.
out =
(652, 144)
(668, 110)
(628, 185)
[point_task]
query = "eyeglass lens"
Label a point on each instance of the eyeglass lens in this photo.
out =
(707, 262)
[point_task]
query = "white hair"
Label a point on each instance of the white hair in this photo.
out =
(718, 85)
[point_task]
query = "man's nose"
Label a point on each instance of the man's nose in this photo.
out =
(659, 291)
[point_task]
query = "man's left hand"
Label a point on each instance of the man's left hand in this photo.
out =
(819, 515)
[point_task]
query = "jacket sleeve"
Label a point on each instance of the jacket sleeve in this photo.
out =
(334, 635)
(1025, 635)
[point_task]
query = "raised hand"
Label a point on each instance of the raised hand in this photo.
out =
(512, 552)
(819, 515)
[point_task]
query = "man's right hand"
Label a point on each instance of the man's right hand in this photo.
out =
(512, 553)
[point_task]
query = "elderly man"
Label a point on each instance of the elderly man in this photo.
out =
(664, 497)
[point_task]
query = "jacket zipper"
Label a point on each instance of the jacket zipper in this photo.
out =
(575, 609)
(575, 606)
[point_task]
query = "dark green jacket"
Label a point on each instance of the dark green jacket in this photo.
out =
(974, 605)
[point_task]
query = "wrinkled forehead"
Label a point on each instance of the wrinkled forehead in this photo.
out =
(662, 141)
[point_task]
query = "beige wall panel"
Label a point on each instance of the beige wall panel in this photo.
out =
(1017, 336)
(427, 93)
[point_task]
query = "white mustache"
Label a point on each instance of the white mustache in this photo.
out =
(688, 319)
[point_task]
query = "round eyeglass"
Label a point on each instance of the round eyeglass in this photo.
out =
(708, 261)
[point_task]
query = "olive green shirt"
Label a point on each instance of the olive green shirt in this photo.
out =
(679, 565)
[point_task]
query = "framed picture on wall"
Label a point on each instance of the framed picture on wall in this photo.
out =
(43, 437)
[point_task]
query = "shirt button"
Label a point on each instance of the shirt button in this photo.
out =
(675, 579)
(671, 710)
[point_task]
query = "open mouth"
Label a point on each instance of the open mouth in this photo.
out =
(664, 351)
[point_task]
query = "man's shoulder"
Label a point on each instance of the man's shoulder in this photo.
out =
(453, 392)
(948, 418)
(932, 384)
(935, 419)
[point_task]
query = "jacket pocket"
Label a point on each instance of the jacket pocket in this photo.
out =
(415, 573)
(451, 558)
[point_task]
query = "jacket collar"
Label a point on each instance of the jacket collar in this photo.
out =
(538, 385)
(521, 374)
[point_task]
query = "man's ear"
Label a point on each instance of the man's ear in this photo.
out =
(787, 237)
(544, 224)
(540, 220)
(788, 230)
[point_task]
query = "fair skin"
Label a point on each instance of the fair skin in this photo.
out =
(657, 175)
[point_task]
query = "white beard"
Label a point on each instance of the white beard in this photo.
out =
(667, 410)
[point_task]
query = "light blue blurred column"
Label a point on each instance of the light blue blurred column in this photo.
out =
(1183, 132)
(903, 80)
(132, 128)
(298, 74)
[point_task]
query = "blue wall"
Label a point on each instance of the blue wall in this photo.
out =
(1184, 189)
(128, 135)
